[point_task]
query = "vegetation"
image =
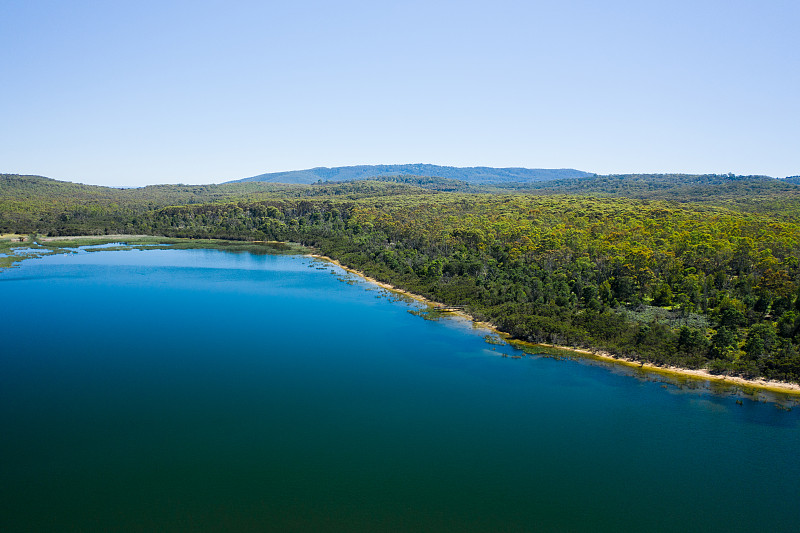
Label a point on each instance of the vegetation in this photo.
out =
(709, 188)
(696, 272)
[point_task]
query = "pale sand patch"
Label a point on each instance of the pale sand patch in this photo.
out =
(12, 236)
(96, 237)
(699, 374)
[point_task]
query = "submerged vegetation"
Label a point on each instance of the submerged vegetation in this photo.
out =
(695, 271)
(16, 248)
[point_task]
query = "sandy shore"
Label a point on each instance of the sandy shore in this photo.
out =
(386, 286)
(700, 374)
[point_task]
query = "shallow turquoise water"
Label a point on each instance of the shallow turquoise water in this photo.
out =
(199, 390)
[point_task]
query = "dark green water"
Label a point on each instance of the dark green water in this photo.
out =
(199, 390)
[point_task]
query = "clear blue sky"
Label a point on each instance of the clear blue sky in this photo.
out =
(134, 93)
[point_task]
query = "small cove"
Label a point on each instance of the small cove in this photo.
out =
(199, 389)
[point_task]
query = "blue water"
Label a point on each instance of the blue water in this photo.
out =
(199, 390)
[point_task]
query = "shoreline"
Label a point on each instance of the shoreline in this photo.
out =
(782, 387)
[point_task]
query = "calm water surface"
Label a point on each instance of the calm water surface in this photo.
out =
(199, 390)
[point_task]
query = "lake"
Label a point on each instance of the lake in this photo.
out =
(201, 390)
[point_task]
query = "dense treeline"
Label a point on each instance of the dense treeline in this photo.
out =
(676, 187)
(674, 283)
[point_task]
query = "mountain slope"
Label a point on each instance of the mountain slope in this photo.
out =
(468, 174)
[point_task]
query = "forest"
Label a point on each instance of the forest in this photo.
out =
(692, 271)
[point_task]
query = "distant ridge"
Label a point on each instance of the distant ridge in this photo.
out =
(468, 174)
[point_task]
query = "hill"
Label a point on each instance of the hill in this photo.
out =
(467, 174)
(44, 205)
